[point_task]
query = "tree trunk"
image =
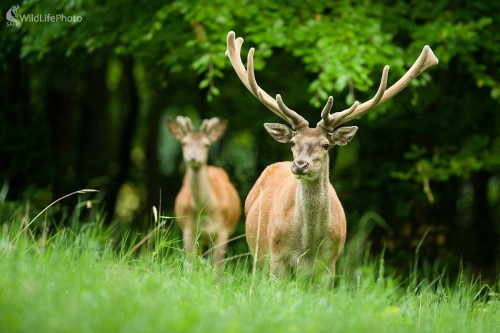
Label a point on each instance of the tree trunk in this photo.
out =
(129, 118)
(484, 240)
(152, 167)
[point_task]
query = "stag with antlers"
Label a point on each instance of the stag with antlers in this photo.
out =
(294, 218)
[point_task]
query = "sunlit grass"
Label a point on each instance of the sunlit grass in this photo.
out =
(87, 280)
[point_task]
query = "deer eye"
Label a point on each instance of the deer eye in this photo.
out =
(292, 143)
(326, 146)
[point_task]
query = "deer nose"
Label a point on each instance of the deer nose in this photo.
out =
(300, 166)
(193, 157)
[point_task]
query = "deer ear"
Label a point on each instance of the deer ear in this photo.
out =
(279, 132)
(176, 129)
(342, 135)
(217, 130)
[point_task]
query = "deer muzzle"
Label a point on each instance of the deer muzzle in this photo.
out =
(300, 167)
(194, 163)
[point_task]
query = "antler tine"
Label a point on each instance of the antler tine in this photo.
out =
(326, 110)
(233, 53)
(247, 76)
(294, 117)
(424, 61)
(204, 125)
(330, 121)
(338, 118)
(363, 108)
(186, 123)
(264, 97)
(208, 124)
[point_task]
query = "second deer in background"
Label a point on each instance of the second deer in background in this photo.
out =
(207, 207)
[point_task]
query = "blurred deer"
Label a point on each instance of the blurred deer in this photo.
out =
(207, 205)
(293, 215)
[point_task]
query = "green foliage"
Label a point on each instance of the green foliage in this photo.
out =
(460, 33)
(444, 163)
(341, 42)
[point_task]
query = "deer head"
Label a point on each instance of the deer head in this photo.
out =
(195, 145)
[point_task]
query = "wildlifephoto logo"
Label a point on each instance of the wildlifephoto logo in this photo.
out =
(11, 16)
(14, 19)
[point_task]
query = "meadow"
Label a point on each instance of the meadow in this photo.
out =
(86, 279)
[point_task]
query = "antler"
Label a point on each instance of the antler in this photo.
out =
(247, 76)
(208, 124)
(331, 121)
(328, 121)
(186, 124)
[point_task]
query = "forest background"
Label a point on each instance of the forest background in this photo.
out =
(84, 104)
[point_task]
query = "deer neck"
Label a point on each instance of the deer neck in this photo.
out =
(200, 187)
(312, 209)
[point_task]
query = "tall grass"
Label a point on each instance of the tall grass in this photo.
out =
(84, 279)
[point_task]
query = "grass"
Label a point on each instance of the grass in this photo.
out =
(81, 280)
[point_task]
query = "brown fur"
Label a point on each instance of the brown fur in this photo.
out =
(218, 216)
(207, 205)
(300, 218)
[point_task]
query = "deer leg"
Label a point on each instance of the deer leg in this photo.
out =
(329, 277)
(220, 247)
(277, 266)
(189, 237)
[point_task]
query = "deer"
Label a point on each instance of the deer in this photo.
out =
(294, 218)
(207, 207)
